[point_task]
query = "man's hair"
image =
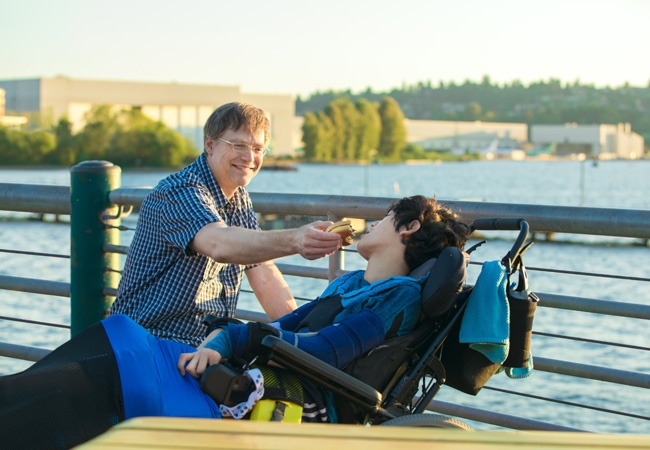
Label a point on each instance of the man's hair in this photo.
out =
(440, 228)
(233, 116)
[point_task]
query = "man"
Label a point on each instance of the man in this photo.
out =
(197, 233)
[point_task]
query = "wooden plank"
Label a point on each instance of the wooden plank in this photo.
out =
(178, 433)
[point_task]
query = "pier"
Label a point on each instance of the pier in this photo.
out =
(96, 211)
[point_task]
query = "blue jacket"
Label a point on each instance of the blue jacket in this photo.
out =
(369, 312)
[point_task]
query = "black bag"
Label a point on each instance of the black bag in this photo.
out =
(522, 304)
(469, 370)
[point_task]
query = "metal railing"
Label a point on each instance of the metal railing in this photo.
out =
(95, 269)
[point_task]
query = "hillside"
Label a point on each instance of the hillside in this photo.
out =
(543, 102)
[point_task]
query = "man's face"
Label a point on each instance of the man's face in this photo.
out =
(230, 167)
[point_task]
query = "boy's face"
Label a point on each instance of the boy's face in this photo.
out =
(379, 234)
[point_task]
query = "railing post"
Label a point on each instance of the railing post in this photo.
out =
(90, 185)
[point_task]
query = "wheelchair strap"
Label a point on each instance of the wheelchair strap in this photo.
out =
(282, 385)
(322, 314)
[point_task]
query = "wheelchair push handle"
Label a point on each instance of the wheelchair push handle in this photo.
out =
(519, 247)
(499, 224)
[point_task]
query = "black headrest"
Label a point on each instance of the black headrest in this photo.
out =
(446, 278)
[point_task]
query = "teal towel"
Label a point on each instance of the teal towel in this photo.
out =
(486, 322)
(520, 372)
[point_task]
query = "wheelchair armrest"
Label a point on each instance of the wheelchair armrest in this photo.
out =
(312, 368)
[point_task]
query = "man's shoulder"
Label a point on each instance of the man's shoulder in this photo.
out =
(188, 176)
(182, 183)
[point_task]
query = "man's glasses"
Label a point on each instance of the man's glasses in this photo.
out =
(242, 147)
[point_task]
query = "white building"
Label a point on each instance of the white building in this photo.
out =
(9, 121)
(475, 137)
(183, 107)
(599, 141)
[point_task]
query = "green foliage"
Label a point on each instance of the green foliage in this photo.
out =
(369, 128)
(22, 148)
(143, 142)
(393, 131)
(337, 113)
(541, 102)
(316, 132)
(413, 151)
(65, 150)
(127, 138)
(344, 132)
(101, 125)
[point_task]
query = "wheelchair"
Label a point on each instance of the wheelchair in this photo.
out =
(393, 384)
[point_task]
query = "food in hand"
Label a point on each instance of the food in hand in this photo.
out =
(344, 228)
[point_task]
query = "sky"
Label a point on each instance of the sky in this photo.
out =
(300, 47)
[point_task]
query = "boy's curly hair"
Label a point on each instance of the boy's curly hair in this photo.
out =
(440, 227)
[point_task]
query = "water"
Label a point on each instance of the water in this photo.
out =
(612, 184)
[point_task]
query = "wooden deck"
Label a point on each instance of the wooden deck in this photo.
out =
(175, 433)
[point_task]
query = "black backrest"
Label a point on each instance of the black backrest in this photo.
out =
(446, 278)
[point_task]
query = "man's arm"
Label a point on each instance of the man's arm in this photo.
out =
(235, 245)
(271, 290)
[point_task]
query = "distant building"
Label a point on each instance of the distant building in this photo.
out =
(9, 121)
(597, 141)
(183, 107)
(504, 139)
(490, 139)
(462, 137)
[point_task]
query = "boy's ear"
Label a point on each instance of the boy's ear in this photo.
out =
(410, 228)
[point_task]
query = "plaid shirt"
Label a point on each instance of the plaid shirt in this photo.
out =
(166, 287)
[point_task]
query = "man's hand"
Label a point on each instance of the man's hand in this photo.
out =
(314, 242)
(196, 363)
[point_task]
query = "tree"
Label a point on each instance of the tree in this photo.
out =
(310, 136)
(143, 142)
(336, 113)
(473, 111)
(326, 149)
(126, 137)
(101, 124)
(369, 128)
(317, 135)
(38, 145)
(393, 131)
(350, 130)
(9, 148)
(65, 152)
(24, 147)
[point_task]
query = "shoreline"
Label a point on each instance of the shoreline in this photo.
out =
(290, 165)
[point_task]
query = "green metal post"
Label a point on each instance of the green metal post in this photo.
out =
(92, 224)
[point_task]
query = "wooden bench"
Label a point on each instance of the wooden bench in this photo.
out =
(177, 433)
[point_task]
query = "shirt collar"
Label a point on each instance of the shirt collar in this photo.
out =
(221, 201)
